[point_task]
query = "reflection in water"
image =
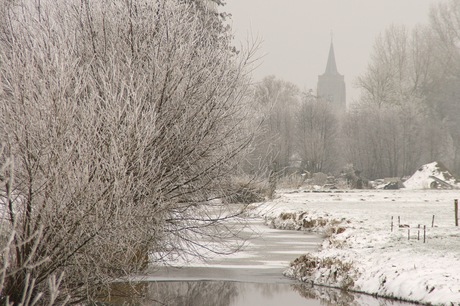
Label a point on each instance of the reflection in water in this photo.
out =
(218, 293)
(336, 297)
(224, 293)
(327, 295)
(193, 293)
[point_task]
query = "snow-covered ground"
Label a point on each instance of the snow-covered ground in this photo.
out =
(362, 253)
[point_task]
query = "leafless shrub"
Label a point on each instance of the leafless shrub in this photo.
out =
(124, 118)
(247, 189)
(294, 180)
(9, 272)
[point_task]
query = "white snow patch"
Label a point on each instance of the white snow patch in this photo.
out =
(423, 177)
(386, 262)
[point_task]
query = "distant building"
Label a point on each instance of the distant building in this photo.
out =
(331, 84)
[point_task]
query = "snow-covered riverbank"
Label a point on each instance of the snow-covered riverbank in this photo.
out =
(361, 252)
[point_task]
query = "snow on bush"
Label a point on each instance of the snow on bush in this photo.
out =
(331, 271)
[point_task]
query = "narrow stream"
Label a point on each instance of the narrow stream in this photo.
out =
(251, 277)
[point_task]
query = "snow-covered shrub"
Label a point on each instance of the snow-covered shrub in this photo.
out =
(123, 118)
(323, 271)
(246, 189)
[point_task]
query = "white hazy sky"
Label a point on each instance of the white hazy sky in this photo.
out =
(296, 34)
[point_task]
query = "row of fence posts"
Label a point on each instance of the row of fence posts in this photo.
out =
(424, 227)
(408, 228)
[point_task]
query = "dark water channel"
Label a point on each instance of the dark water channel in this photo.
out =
(252, 277)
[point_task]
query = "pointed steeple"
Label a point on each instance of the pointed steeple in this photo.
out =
(331, 67)
(331, 84)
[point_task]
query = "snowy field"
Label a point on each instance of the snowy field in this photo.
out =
(362, 253)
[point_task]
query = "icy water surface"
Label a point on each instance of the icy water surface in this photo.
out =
(252, 277)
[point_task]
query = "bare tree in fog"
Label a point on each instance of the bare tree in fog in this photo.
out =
(316, 135)
(275, 105)
(445, 94)
(408, 91)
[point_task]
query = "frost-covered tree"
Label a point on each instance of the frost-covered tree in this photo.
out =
(383, 141)
(444, 93)
(399, 68)
(411, 88)
(123, 119)
(316, 135)
(275, 104)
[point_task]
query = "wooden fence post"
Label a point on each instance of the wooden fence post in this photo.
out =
(424, 233)
(456, 211)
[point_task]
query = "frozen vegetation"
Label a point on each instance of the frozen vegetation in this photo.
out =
(364, 252)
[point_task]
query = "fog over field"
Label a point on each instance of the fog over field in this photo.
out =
(296, 33)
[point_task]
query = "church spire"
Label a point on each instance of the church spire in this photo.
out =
(331, 67)
(331, 84)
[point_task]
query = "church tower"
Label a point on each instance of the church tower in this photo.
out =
(331, 84)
